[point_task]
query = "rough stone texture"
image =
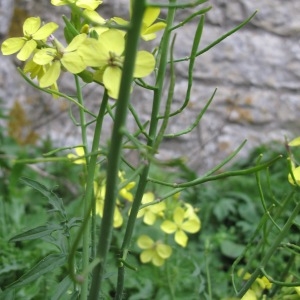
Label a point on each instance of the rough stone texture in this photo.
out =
(256, 72)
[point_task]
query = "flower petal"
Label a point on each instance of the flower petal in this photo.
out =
(191, 226)
(148, 197)
(73, 62)
(51, 75)
(150, 15)
(89, 4)
(92, 53)
(157, 260)
(168, 227)
(12, 45)
(61, 2)
(45, 31)
(147, 255)
(178, 215)
(144, 64)
(164, 251)
(76, 42)
(31, 26)
(118, 219)
(294, 142)
(296, 173)
(34, 69)
(120, 21)
(76, 160)
(44, 56)
(111, 80)
(27, 50)
(149, 218)
(250, 295)
(154, 28)
(93, 16)
(112, 41)
(181, 238)
(145, 242)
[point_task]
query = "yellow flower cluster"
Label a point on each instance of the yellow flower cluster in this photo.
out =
(183, 219)
(93, 45)
(258, 287)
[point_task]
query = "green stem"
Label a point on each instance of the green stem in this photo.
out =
(151, 141)
(84, 230)
(88, 204)
(81, 115)
(114, 156)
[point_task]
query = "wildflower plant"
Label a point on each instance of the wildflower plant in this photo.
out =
(107, 52)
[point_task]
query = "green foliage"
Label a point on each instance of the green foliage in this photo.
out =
(229, 210)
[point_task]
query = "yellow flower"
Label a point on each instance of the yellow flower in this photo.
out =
(89, 4)
(106, 53)
(295, 142)
(260, 284)
(180, 225)
(79, 158)
(58, 58)
(250, 295)
(151, 212)
(148, 30)
(37, 71)
(100, 195)
(264, 283)
(33, 33)
(155, 252)
(125, 191)
(296, 173)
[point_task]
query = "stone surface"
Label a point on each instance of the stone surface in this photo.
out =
(256, 71)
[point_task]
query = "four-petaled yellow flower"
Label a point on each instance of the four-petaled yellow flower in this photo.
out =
(151, 212)
(88, 4)
(59, 58)
(180, 225)
(33, 33)
(155, 252)
(106, 54)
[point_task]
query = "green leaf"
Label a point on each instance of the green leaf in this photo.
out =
(231, 249)
(54, 200)
(62, 288)
(46, 265)
(36, 233)
(224, 208)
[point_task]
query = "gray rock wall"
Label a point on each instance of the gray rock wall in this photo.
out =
(256, 72)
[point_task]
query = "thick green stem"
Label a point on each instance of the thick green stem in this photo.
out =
(151, 142)
(114, 156)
